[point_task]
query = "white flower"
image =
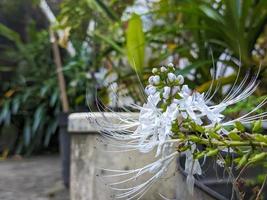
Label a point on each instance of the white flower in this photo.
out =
(195, 106)
(172, 112)
(170, 65)
(166, 92)
(175, 89)
(157, 168)
(180, 78)
(154, 128)
(171, 77)
(187, 106)
(185, 92)
(150, 90)
(151, 80)
(163, 69)
(156, 79)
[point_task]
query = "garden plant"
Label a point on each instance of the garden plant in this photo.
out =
(176, 120)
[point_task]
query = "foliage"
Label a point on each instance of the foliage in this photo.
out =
(135, 43)
(31, 99)
(25, 103)
(176, 120)
(196, 42)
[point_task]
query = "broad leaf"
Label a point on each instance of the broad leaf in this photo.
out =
(135, 43)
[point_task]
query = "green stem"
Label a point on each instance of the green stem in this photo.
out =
(229, 143)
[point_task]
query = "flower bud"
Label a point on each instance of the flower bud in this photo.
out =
(156, 79)
(151, 80)
(163, 69)
(180, 78)
(171, 77)
(150, 90)
(175, 89)
(154, 70)
(170, 65)
(166, 92)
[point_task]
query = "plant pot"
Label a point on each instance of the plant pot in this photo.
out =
(216, 183)
(64, 144)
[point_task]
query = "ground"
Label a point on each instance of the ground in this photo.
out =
(36, 178)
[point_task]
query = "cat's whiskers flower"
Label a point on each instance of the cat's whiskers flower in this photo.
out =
(151, 130)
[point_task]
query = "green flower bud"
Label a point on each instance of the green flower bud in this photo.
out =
(212, 152)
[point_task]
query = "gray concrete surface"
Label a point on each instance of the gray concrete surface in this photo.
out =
(36, 178)
(90, 154)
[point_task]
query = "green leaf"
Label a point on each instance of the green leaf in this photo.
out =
(211, 13)
(257, 126)
(197, 127)
(135, 43)
(79, 99)
(234, 136)
(260, 138)
(199, 155)
(54, 98)
(38, 116)
(214, 135)
(109, 12)
(243, 160)
(212, 152)
(5, 115)
(258, 157)
(27, 132)
(194, 138)
(50, 131)
(10, 34)
(15, 105)
(240, 126)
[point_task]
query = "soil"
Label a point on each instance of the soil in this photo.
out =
(35, 178)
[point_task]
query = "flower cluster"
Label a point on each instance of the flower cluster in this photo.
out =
(174, 120)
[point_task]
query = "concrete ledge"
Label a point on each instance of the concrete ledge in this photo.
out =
(89, 155)
(80, 123)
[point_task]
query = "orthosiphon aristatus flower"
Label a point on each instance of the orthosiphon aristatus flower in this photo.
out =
(173, 121)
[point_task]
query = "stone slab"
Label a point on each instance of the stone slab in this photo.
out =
(90, 154)
(80, 122)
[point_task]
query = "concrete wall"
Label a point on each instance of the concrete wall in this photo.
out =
(89, 154)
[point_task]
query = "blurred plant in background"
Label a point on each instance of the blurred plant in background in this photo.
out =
(31, 99)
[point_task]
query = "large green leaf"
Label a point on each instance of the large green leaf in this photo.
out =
(135, 43)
